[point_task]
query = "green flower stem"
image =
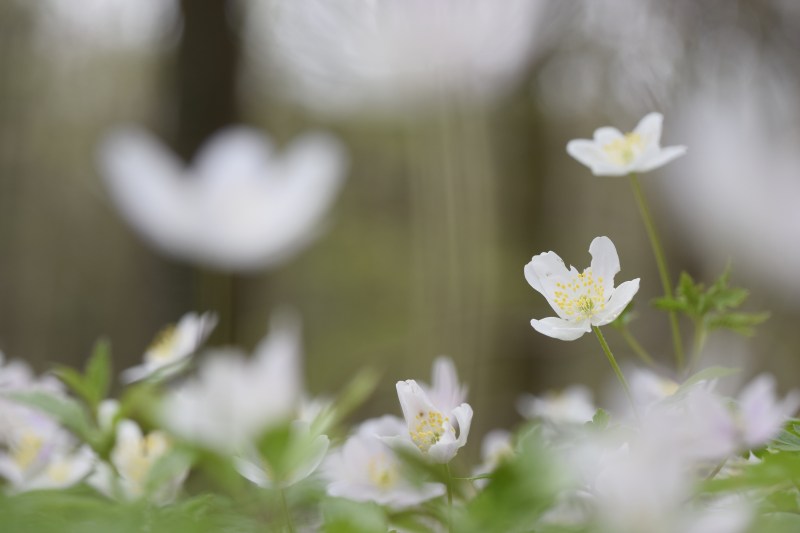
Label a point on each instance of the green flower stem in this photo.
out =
(449, 497)
(637, 348)
(286, 514)
(663, 272)
(698, 343)
(615, 366)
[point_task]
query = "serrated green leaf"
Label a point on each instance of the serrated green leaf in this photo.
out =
(786, 441)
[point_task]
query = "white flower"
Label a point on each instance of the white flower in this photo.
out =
(581, 299)
(611, 153)
(311, 450)
(234, 399)
(383, 55)
(173, 346)
(495, 448)
(573, 405)
(445, 391)
(438, 433)
(133, 457)
(239, 206)
(366, 468)
(38, 454)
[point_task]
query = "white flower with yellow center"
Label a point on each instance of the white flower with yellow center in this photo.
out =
(172, 346)
(581, 299)
(438, 432)
(612, 153)
(366, 468)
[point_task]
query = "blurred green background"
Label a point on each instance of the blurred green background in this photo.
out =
(425, 247)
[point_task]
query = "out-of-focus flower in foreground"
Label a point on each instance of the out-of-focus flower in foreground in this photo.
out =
(366, 468)
(612, 153)
(581, 299)
(383, 55)
(239, 206)
(234, 399)
(173, 346)
(573, 405)
(133, 458)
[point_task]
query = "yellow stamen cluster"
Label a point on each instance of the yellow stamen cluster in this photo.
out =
(624, 150)
(25, 451)
(163, 345)
(583, 296)
(382, 472)
(141, 455)
(59, 471)
(428, 429)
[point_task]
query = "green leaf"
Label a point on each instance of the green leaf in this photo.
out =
(98, 371)
(707, 374)
(344, 516)
(68, 412)
(786, 441)
(742, 323)
(168, 467)
(599, 420)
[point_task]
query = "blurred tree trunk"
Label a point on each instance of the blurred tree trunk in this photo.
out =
(207, 73)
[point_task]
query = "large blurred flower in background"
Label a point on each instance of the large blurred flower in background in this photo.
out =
(239, 206)
(382, 55)
(736, 198)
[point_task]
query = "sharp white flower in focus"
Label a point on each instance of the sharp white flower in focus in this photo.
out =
(366, 468)
(234, 399)
(581, 299)
(388, 55)
(612, 153)
(173, 346)
(240, 206)
(436, 431)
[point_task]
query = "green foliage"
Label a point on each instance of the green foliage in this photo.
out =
(66, 411)
(93, 385)
(599, 421)
(712, 308)
(345, 516)
(518, 492)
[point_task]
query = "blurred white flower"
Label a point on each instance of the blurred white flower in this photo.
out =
(445, 390)
(133, 457)
(436, 431)
(612, 153)
(495, 448)
(383, 55)
(648, 388)
(172, 347)
(723, 202)
(240, 206)
(311, 448)
(234, 399)
(573, 405)
(36, 453)
(366, 468)
(581, 299)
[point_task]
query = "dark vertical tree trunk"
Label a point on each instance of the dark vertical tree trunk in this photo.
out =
(208, 62)
(207, 72)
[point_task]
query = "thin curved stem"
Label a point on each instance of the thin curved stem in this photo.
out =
(449, 497)
(615, 366)
(663, 272)
(637, 348)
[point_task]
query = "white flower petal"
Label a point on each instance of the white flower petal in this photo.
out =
(620, 298)
(661, 158)
(446, 392)
(543, 272)
(605, 261)
(649, 128)
(587, 152)
(605, 135)
(558, 328)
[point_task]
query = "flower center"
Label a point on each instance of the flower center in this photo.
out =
(382, 472)
(428, 429)
(59, 471)
(163, 345)
(624, 150)
(583, 296)
(26, 449)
